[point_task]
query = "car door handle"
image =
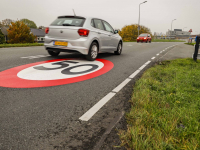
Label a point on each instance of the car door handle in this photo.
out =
(99, 33)
(109, 35)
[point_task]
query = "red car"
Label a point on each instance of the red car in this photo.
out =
(144, 37)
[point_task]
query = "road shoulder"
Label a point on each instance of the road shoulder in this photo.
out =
(112, 142)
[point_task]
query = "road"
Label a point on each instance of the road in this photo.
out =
(49, 117)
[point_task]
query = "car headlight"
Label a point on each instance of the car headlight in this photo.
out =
(145, 38)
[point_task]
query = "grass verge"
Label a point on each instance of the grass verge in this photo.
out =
(166, 40)
(21, 45)
(190, 44)
(160, 40)
(165, 108)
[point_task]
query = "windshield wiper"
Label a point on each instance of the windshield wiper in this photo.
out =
(66, 24)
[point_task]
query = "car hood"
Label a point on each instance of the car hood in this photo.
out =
(141, 37)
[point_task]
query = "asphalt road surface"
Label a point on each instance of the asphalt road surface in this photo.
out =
(49, 117)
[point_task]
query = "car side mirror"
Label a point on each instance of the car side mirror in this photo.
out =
(116, 31)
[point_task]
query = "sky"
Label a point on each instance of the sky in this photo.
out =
(157, 15)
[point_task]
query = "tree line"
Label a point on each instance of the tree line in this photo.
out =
(18, 31)
(130, 32)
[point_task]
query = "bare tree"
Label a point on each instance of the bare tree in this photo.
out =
(7, 22)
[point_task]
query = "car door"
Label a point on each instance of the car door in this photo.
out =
(102, 34)
(113, 38)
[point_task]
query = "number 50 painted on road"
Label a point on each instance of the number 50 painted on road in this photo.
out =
(53, 73)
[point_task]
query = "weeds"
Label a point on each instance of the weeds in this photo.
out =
(165, 112)
(21, 45)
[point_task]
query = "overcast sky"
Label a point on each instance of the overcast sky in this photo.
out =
(155, 14)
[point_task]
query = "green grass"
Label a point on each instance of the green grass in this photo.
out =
(190, 44)
(166, 40)
(21, 45)
(160, 40)
(165, 108)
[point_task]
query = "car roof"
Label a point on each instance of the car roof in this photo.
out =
(83, 17)
(71, 17)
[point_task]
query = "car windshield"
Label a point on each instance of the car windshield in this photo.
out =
(143, 35)
(78, 22)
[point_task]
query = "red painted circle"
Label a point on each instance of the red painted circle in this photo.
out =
(9, 78)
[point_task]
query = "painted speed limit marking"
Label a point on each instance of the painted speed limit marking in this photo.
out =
(53, 72)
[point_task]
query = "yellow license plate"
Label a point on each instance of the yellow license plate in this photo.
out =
(60, 43)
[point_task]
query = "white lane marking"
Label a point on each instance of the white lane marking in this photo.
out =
(153, 57)
(142, 67)
(30, 57)
(157, 54)
(24, 57)
(147, 62)
(41, 55)
(134, 74)
(96, 107)
(104, 100)
(37, 56)
(119, 87)
(161, 52)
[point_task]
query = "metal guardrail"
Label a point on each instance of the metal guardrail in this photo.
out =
(196, 49)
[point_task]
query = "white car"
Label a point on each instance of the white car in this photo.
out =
(85, 35)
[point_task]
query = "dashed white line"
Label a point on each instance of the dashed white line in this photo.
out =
(96, 107)
(104, 100)
(31, 57)
(24, 57)
(37, 56)
(119, 87)
(134, 74)
(142, 67)
(147, 62)
(153, 57)
(157, 54)
(41, 55)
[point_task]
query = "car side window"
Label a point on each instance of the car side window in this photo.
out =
(92, 23)
(108, 27)
(98, 24)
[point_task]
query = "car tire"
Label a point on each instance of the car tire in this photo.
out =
(146, 41)
(53, 53)
(150, 41)
(119, 49)
(93, 52)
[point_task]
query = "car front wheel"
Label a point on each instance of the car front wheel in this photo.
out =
(93, 52)
(119, 49)
(53, 53)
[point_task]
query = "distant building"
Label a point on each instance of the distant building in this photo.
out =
(39, 33)
(178, 34)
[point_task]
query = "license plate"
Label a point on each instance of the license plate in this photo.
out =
(60, 43)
